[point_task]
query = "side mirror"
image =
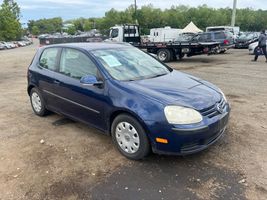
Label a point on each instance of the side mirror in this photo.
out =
(91, 81)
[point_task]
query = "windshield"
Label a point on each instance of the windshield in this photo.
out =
(128, 64)
(248, 36)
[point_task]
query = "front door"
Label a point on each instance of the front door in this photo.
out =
(82, 102)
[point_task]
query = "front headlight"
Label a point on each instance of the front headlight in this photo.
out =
(182, 115)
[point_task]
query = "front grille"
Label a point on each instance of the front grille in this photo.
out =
(212, 111)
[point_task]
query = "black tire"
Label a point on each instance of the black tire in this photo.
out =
(144, 145)
(181, 56)
(164, 55)
(43, 111)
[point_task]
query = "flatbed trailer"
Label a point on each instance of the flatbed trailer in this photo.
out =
(171, 51)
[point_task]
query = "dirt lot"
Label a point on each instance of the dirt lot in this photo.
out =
(78, 162)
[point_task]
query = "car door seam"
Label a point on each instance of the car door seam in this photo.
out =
(73, 102)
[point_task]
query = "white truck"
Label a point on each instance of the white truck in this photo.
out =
(165, 50)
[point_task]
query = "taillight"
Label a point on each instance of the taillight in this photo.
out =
(226, 42)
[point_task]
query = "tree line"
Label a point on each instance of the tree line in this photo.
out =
(150, 17)
(147, 16)
(10, 27)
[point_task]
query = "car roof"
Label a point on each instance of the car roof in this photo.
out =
(90, 46)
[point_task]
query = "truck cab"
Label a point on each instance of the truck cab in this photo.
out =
(125, 33)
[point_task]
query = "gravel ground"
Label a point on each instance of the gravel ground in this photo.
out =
(74, 161)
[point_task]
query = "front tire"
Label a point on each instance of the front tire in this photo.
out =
(38, 103)
(130, 137)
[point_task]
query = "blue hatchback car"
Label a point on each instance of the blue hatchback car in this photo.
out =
(142, 103)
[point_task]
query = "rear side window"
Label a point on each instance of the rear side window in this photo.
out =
(49, 58)
(219, 35)
(76, 64)
(205, 37)
(129, 31)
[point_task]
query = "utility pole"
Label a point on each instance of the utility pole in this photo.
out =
(135, 11)
(234, 13)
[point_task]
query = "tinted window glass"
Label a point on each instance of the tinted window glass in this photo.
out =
(114, 33)
(76, 64)
(219, 35)
(49, 59)
(204, 37)
(129, 31)
(216, 29)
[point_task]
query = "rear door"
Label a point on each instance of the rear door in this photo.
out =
(82, 102)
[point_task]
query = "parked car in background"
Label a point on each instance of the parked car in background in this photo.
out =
(232, 29)
(245, 39)
(252, 47)
(225, 38)
(21, 43)
(24, 41)
(143, 104)
(2, 46)
(7, 45)
(11, 44)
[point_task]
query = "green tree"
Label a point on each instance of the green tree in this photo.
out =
(87, 25)
(35, 30)
(71, 30)
(10, 27)
(51, 25)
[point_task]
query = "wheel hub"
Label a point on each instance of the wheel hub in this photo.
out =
(127, 137)
(36, 102)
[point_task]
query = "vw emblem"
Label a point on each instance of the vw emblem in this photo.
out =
(219, 108)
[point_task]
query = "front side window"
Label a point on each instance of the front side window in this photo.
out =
(76, 64)
(130, 64)
(49, 58)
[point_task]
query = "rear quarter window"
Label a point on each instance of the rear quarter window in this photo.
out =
(49, 58)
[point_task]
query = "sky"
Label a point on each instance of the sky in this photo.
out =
(69, 9)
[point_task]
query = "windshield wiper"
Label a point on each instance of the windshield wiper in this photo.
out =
(146, 77)
(158, 75)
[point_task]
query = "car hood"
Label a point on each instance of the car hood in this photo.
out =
(177, 88)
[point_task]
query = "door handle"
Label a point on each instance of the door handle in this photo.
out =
(56, 81)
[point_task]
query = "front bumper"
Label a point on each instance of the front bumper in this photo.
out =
(242, 45)
(188, 140)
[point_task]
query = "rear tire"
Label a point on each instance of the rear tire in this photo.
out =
(130, 137)
(38, 103)
(164, 55)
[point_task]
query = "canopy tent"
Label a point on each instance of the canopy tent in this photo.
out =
(191, 28)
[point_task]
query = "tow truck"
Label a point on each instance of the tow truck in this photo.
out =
(165, 51)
